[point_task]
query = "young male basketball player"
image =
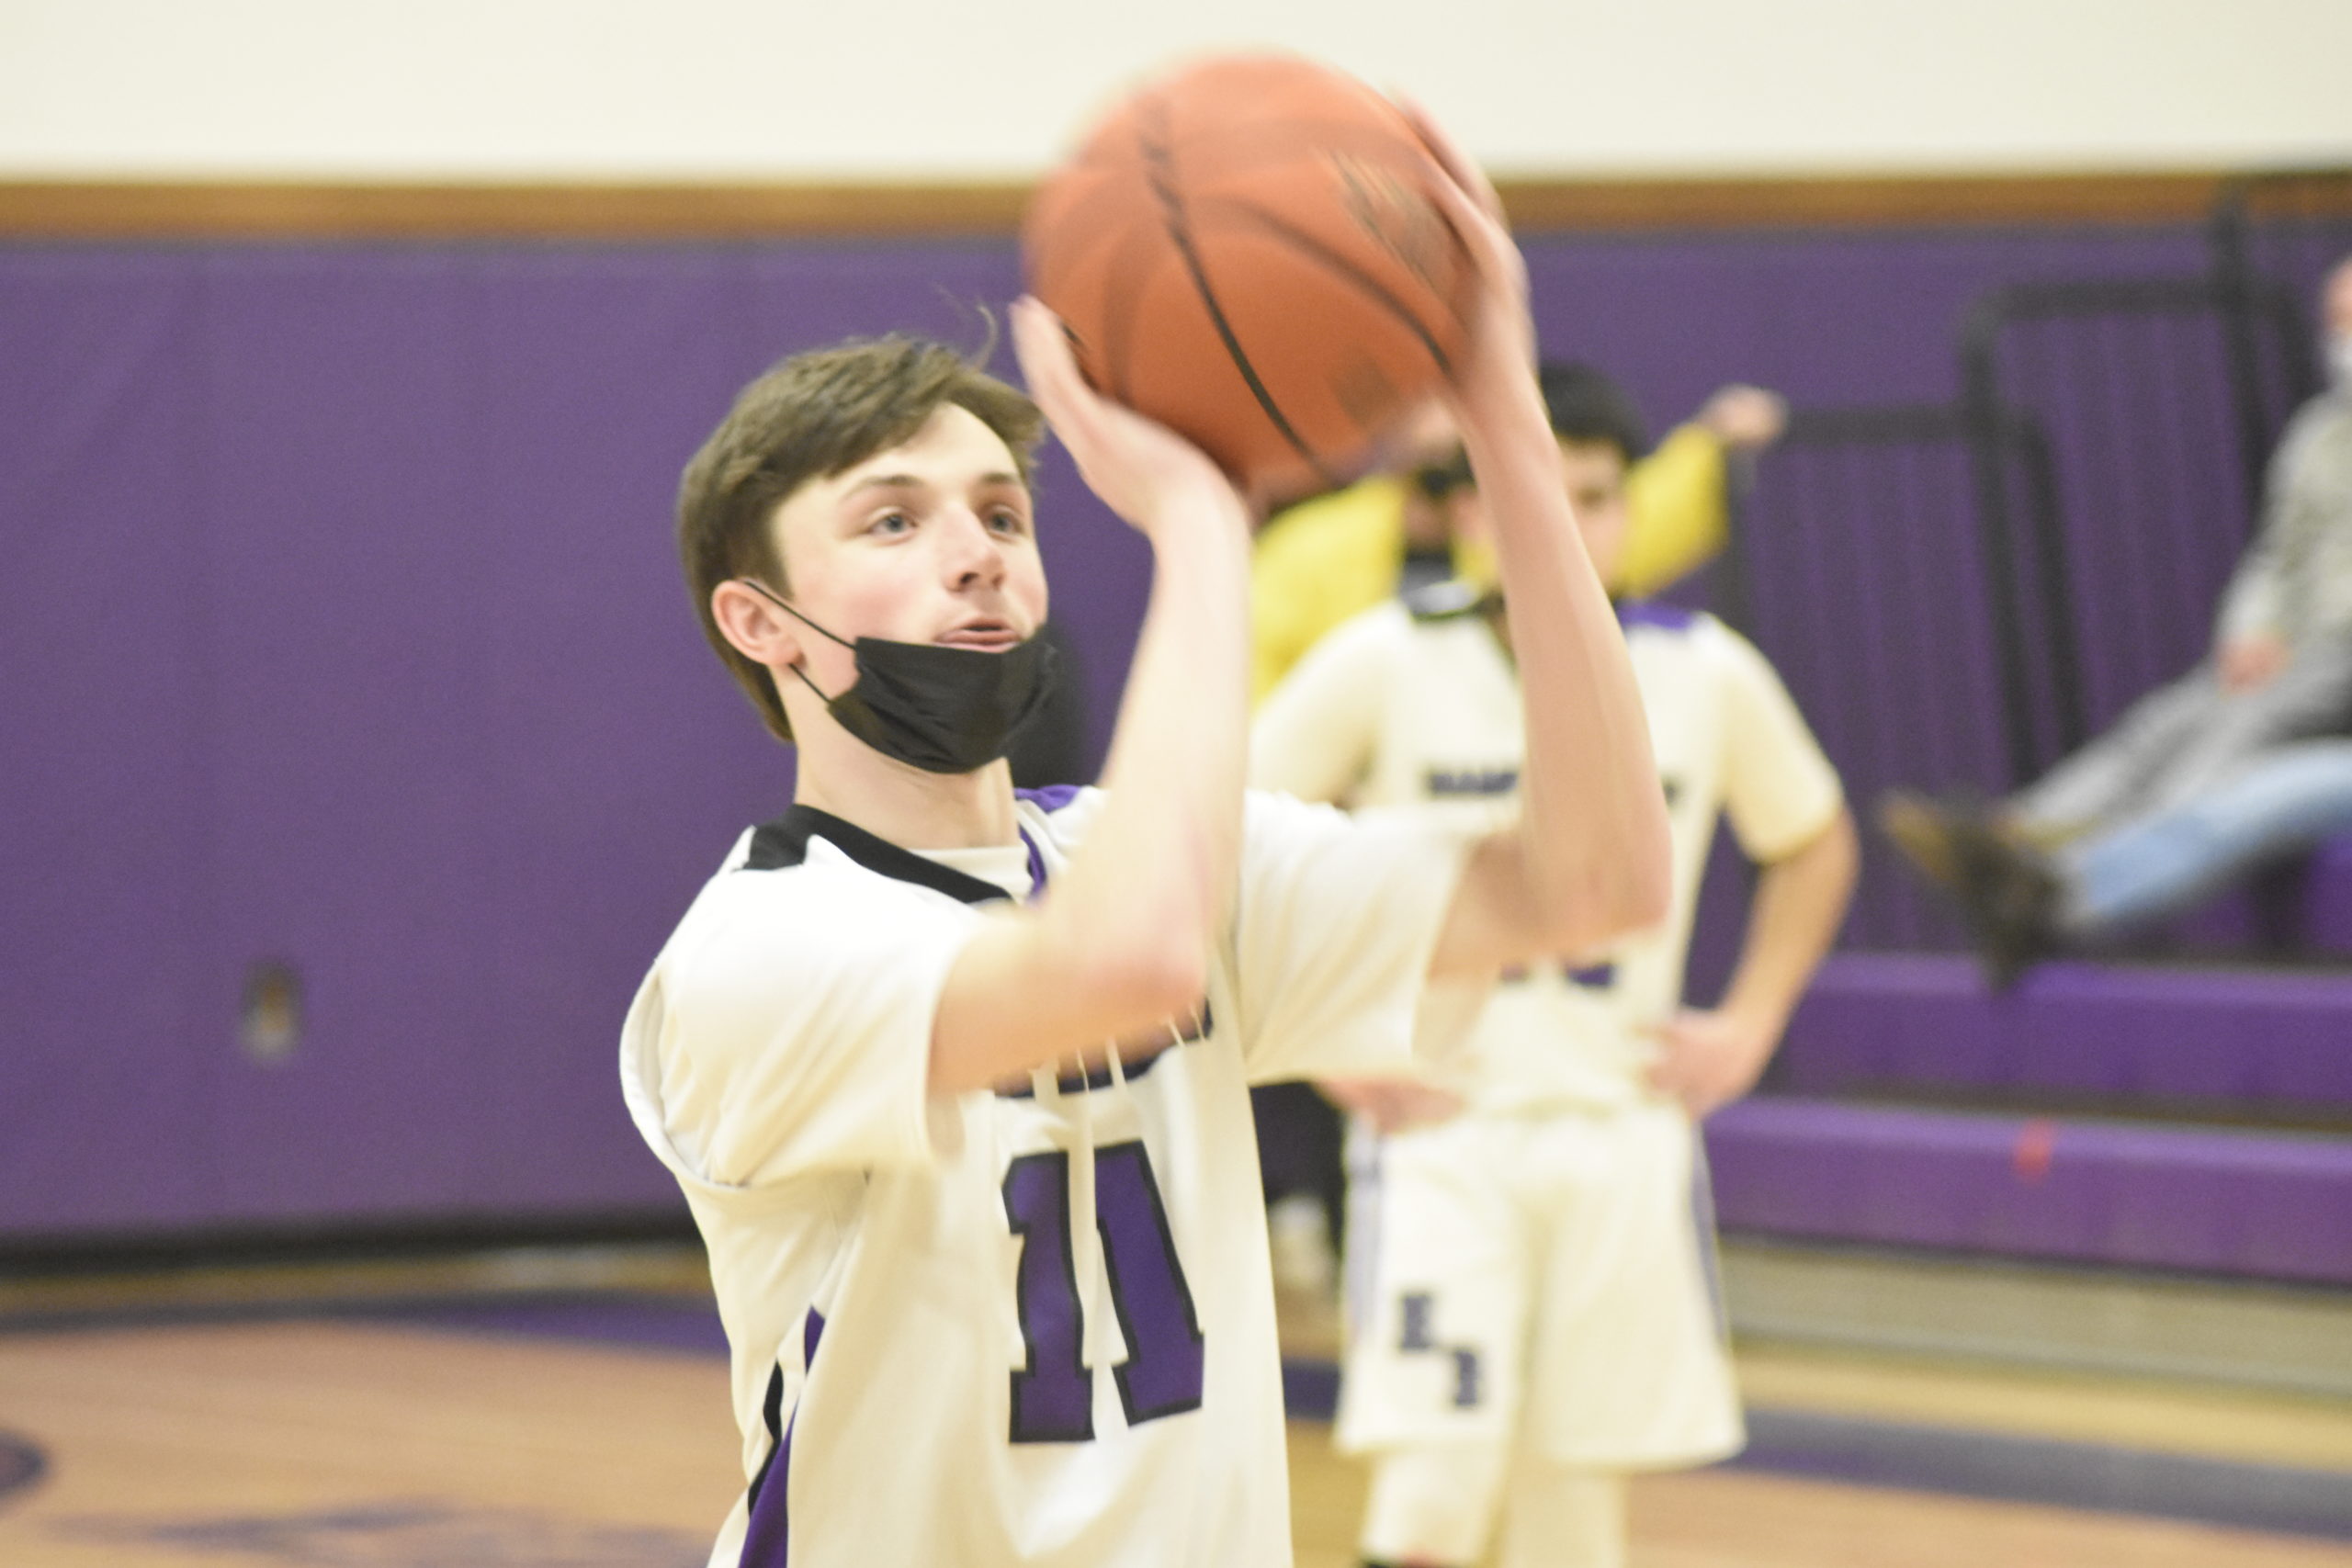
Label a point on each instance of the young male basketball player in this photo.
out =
(1533, 1316)
(956, 1081)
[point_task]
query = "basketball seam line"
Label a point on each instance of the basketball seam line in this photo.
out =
(1156, 159)
(1339, 263)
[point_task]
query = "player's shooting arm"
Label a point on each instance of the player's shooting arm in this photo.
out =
(1121, 942)
(1590, 858)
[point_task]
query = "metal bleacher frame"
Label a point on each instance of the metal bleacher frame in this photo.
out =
(2031, 539)
(2285, 227)
(2269, 239)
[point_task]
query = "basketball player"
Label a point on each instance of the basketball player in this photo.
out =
(1529, 1286)
(954, 1080)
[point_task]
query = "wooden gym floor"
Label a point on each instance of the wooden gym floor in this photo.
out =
(307, 1423)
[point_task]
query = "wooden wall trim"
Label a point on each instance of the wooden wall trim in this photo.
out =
(33, 209)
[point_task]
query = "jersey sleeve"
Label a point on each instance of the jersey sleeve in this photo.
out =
(1778, 788)
(790, 1027)
(1316, 734)
(1337, 921)
(1677, 514)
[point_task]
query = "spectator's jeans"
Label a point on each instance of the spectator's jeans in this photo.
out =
(2186, 737)
(2283, 801)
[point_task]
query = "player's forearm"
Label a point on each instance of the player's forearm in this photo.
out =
(1156, 869)
(1120, 943)
(1592, 831)
(1798, 904)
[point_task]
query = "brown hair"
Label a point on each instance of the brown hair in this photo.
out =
(810, 417)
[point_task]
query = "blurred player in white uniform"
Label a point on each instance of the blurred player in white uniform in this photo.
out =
(956, 1081)
(1529, 1265)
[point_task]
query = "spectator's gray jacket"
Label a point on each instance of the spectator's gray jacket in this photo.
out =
(2296, 579)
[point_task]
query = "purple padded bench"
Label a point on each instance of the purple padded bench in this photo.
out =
(2271, 1204)
(1895, 1021)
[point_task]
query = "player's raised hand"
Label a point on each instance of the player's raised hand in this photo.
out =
(1147, 473)
(1706, 1060)
(1744, 418)
(1501, 358)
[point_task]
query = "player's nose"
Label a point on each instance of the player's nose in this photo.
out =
(970, 555)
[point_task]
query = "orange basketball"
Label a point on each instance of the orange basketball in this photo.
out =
(1250, 252)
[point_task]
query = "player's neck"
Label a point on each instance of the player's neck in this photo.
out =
(906, 807)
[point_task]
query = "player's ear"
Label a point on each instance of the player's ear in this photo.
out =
(754, 626)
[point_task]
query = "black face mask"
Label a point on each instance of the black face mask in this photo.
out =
(944, 710)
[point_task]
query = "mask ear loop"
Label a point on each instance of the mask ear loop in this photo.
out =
(764, 592)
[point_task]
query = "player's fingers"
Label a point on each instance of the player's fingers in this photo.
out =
(1074, 409)
(1492, 250)
(1042, 345)
(1454, 159)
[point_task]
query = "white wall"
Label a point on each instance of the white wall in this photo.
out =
(861, 89)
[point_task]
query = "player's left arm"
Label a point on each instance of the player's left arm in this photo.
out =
(1710, 1057)
(1789, 812)
(1588, 858)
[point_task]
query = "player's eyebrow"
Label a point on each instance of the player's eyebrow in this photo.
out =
(910, 482)
(887, 481)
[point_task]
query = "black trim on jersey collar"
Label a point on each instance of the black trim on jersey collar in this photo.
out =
(784, 843)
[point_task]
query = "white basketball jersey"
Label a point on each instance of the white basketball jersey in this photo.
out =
(1026, 1328)
(1415, 703)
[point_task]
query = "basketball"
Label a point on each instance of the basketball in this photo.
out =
(1251, 251)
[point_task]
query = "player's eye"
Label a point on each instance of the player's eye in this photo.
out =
(891, 522)
(1005, 520)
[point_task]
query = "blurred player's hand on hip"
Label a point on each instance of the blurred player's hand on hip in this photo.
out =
(1706, 1060)
(1392, 1105)
(1150, 476)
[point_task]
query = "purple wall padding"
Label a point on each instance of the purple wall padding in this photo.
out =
(346, 632)
(349, 634)
(1882, 1022)
(2274, 1205)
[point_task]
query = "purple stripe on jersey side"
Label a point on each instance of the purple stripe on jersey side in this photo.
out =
(767, 1540)
(1036, 867)
(1665, 617)
(1051, 797)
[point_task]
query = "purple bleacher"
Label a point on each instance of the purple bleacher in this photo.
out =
(1881, 1022)
(2277, 1205)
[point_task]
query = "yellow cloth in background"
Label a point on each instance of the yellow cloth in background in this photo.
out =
(1327, 560)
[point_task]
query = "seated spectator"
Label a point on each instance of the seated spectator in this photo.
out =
(1327, 559)
(2035, 903)
(2201, 778)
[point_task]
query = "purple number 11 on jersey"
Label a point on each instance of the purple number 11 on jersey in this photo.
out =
(1052, 1397)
